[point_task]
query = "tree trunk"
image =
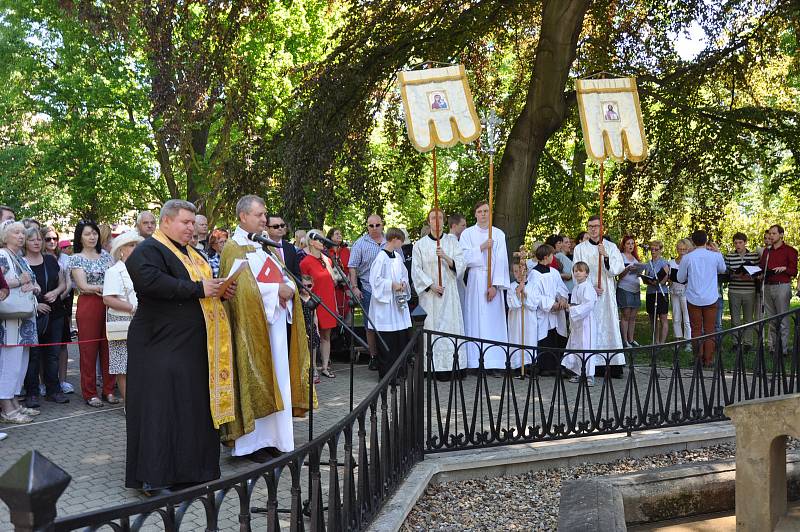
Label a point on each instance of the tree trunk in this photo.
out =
(543, 114)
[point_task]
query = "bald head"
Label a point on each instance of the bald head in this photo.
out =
(375, 227)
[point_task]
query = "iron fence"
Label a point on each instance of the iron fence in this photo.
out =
(373, 447)
(659, 386)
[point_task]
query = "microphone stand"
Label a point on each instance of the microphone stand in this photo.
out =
(337, 263)
(317, 302)
(655, 303)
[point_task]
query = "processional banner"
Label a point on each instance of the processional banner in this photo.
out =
(438, 107)
(611, 118)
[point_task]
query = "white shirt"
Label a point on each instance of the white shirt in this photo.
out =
(117, 282)
(699, 270)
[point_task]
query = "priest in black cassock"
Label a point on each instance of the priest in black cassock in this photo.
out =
(180, 386)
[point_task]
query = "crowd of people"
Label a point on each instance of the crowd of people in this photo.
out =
(232, 320)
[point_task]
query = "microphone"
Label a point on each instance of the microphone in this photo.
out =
(255, 237)
(328, 243)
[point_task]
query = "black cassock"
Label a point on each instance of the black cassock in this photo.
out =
(171, 437)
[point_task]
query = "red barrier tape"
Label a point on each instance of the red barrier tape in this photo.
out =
(54, 343)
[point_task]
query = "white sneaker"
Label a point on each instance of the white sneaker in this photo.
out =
(42, 390)
(3, 436)
(67, 387)
(688, 348)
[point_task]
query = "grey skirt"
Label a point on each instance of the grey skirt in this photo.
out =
(627, 299)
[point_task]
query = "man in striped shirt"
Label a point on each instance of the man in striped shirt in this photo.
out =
(742, 287)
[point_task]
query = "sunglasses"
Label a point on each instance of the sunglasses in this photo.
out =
(309, 286)
(51, 239)
(373, 226)
(278, 226)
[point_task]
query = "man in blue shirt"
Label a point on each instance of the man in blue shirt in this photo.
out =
(699, 269)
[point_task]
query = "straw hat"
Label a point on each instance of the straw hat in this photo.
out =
(124, 239)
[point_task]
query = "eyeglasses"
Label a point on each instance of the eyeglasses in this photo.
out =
(594, 226)
(308, 286)
(51, 239)
(373, 226)
(278, 226)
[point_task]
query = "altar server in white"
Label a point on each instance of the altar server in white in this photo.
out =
(606, 334)
(440, 301)
(388, 309)
(484, 305)
(548, 294)
(520, 305)
(582, 323)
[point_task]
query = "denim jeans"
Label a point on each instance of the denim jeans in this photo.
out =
(47, 358)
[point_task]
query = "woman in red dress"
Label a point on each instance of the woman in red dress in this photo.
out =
(340, 255)
(319, 267)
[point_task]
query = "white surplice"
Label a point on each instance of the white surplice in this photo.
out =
(275, 430)
(384, 312)
(485, 319)
(543, 289)
(582, 323)
(516, 311)
(606, 335)
(444, 312)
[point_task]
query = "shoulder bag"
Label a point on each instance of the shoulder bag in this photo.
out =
(18, 304)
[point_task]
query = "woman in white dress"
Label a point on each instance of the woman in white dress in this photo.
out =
(120, 298)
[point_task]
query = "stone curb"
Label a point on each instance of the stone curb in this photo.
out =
(522, 458)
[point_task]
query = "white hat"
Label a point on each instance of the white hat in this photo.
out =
(124, 239)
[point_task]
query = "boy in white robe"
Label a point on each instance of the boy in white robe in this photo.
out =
(548, 294)
(582, 321)
(520, 305)
(484, 303)
(388, 278)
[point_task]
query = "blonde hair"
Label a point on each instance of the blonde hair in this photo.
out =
(687, 243)
(654, 243)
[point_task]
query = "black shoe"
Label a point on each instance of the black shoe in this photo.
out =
(57, 397)
(373, 363)
(32, 401)
(260, 456)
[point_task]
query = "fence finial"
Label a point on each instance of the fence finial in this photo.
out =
(30, 488)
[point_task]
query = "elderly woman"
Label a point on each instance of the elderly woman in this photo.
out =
(88, 266)
(319, 267)
(15, 332)
(215, 244)
(49, 322)
(120, 298)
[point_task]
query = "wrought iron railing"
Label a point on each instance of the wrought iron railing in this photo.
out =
(374, 447)
(661, 386)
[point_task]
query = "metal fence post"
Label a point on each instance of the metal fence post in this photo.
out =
(30, 488)
(418, 322)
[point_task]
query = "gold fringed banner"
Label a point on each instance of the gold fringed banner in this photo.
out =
(611, 119)
(438, 107)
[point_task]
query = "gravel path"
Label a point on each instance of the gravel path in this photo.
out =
(529, 501)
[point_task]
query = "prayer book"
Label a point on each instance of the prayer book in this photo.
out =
(236, 270)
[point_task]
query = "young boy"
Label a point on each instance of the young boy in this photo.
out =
(548, 295)
(519, 304)
(388, 308)
(312, 326)
(582, 323)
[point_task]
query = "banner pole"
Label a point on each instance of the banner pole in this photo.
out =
(438, 229)
(600, 241)
(489, 251)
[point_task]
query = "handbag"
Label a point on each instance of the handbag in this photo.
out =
(43, 320)
(117, 324)
(18, 305)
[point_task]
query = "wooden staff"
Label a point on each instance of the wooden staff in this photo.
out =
(437, 228)
(599, 256)
(489, 251)
(522, 255)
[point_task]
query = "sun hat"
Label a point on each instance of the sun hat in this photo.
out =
(124, 239)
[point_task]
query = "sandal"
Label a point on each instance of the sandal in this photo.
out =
(16, 417)
(328, 373)
(30, 412)
(95, 402)
(110, 399)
